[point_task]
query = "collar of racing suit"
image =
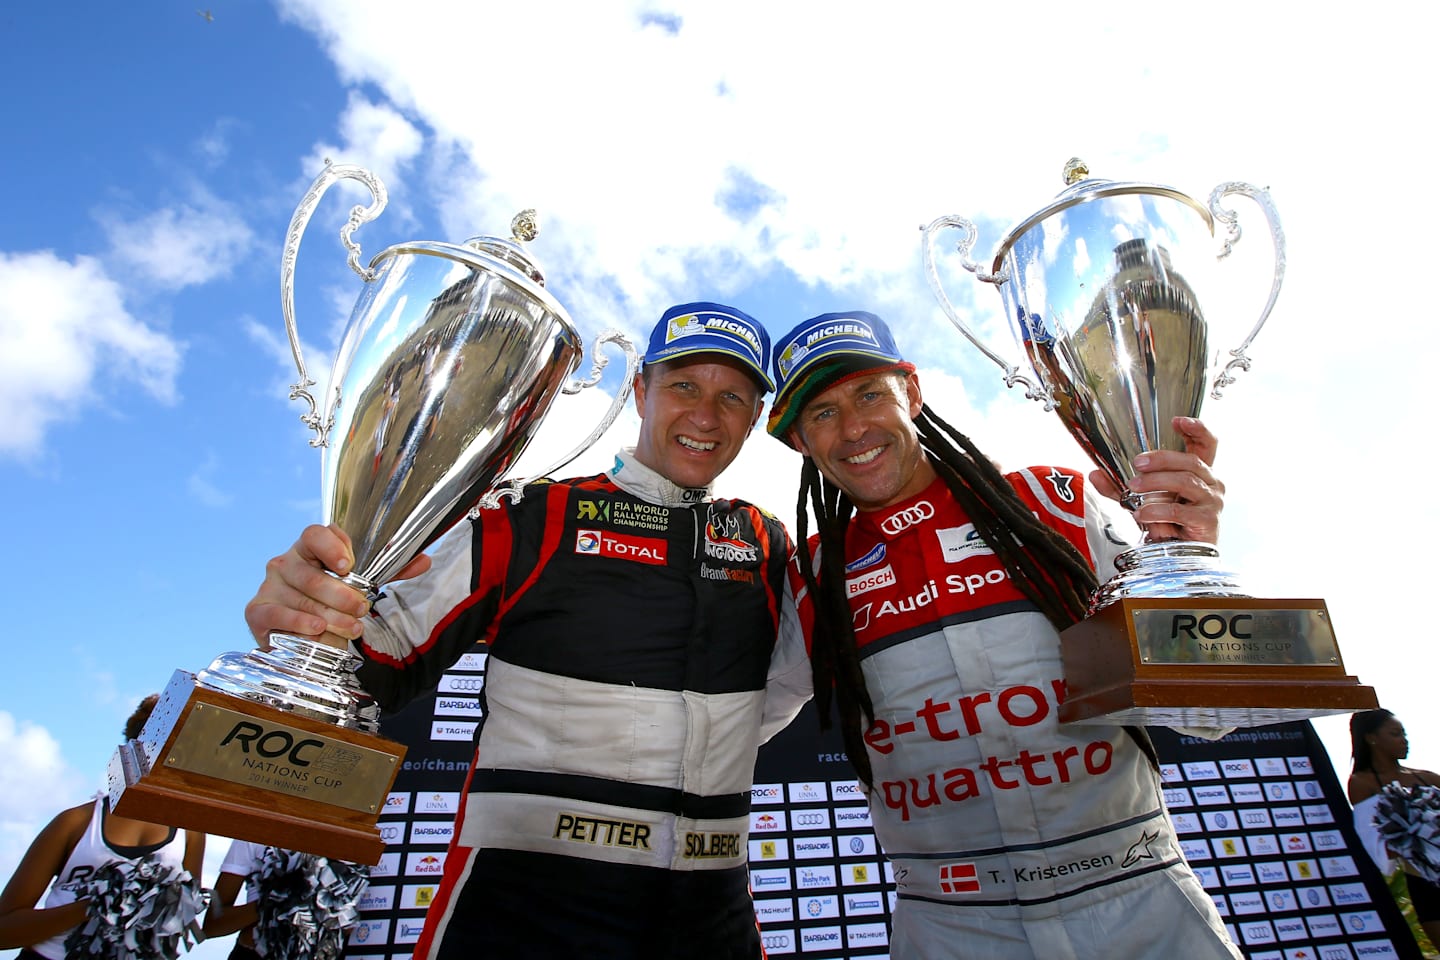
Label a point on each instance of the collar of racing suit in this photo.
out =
(635, 478)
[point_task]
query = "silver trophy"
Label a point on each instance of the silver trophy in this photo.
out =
(1105, 291)
(452, 358)
(450, 362)
(1110, 291)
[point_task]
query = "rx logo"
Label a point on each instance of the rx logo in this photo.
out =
(907, 518)
(593, 510)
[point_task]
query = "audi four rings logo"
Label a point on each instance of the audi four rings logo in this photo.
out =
(907, 518)
(776, 941)
(464, 683)
(389, 832)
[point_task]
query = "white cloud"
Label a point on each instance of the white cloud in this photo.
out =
(33, 775)
(66, 337)
(182, 245)
(201, 483)
(681, 155)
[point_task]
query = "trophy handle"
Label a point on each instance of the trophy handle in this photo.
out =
(931, 234)
(1261, 196)
(512, 489)
(300, 390)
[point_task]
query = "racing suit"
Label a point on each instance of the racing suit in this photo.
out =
(1010, 835)
(631, 625)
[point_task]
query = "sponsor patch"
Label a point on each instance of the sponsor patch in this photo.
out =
(959, 878)
(962, 543)
(871, 580)
(606, 543)
(875, 555)
(725, 539)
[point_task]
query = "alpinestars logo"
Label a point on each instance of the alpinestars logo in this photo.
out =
(723, 540)
(1060, 483)
(1140, 849)
(959, 878)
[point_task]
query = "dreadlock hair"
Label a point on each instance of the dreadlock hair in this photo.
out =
(1040, 562)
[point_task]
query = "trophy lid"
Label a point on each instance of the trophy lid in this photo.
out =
(484, 252)
(1082, 188)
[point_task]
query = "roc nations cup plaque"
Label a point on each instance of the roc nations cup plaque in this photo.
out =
(1108, 290)
(451, 359)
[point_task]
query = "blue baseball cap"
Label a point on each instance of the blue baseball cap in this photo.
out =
(821, 352)
(703, 327)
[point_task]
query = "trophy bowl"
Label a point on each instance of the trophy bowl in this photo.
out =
(1107, 289)
(450, 362)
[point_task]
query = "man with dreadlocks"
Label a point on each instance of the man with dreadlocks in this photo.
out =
(933, 609)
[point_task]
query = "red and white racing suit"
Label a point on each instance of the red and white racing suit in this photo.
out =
(1010, 835)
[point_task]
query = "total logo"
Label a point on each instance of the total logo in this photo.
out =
(903, 520)
(604, 543)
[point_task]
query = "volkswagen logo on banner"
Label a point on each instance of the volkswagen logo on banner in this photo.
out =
(907, 518)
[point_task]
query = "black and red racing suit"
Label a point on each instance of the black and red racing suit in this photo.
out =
(630, 625)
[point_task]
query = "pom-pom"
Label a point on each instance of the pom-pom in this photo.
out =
(1408, 819)
(306, 904)
(139, 910)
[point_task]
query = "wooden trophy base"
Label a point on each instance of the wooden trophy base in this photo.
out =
(225, 765)
(1206, 662)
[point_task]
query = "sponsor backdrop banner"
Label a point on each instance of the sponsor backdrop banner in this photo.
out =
(1261, 816)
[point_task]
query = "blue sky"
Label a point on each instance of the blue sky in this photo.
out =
(777, 158)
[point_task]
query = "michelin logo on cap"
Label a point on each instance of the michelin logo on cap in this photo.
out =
(694, 323)
(817, 338)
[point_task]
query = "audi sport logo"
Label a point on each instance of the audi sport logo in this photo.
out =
(907, 518)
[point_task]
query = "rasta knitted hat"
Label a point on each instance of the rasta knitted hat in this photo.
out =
(822, 352)
(692, 328)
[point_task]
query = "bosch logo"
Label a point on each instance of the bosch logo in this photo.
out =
(907, 518)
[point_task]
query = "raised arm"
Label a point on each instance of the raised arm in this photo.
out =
(22, 924)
